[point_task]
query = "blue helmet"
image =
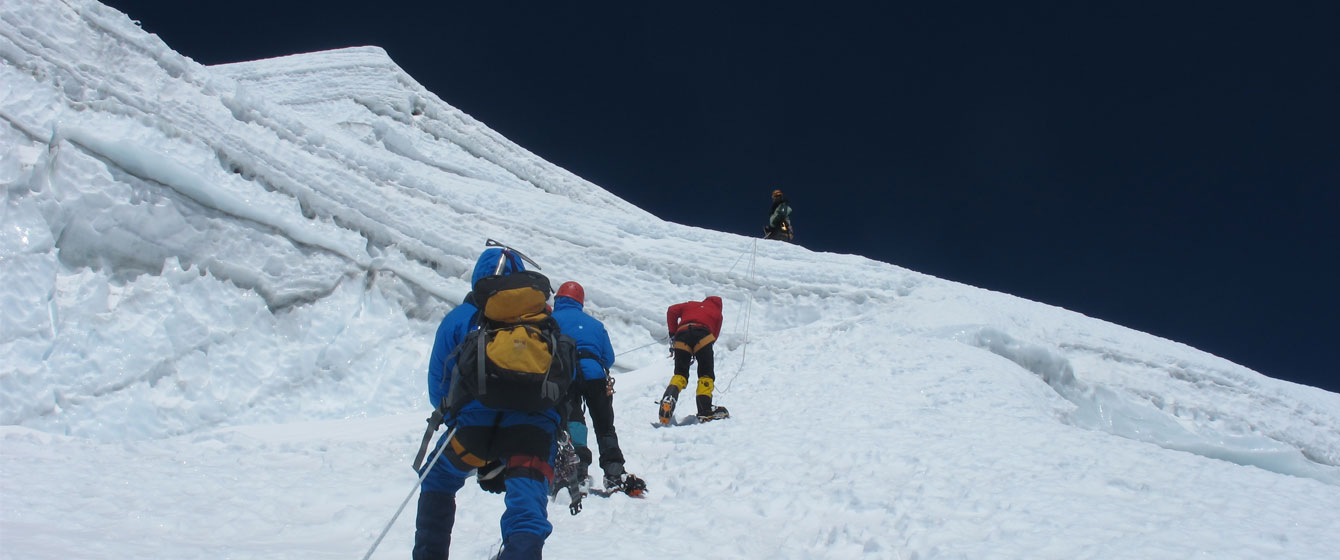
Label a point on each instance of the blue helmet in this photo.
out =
(489, 261)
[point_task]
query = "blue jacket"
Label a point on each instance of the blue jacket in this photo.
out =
(590, 336)
(458, 323)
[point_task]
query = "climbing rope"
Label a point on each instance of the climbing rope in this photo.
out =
(746, 252)
(748, 312)
(661, 340)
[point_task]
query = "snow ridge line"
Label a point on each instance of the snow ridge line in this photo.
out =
(423, 110)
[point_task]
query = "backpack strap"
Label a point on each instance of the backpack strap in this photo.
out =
(453, 399)
(480, 359)
(548, 389)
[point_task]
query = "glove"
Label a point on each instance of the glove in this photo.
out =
(490, 477)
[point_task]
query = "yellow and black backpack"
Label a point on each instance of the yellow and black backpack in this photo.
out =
(517, 359)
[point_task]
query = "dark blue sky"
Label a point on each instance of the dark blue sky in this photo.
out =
(1173, 167)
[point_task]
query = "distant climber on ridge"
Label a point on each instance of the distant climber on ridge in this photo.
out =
(779, 221)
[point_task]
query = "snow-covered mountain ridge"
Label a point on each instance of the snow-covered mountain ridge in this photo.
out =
(222, 283)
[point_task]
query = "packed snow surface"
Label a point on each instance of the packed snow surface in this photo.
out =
(220, 285)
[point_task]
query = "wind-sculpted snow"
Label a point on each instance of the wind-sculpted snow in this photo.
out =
(1128, 412)
(220, 285)
(365, 93)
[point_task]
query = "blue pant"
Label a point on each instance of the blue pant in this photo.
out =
(524, 442)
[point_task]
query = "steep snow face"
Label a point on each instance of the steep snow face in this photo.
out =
(223, 283)
(366, 95)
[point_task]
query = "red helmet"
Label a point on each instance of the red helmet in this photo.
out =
(572, 290)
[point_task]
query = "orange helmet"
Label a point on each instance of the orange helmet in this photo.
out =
(777, 193)
(572, 290)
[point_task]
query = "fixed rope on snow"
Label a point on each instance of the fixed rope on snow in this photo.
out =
(661, 340)
(748, 312)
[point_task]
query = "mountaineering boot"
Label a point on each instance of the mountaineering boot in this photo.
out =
(707, 412)
(667, 411)
(626, 483)
(633, 486)
(715, 413)
(522, 546)
(432, 528)
(704, 403)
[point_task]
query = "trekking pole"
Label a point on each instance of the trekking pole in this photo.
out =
(661, 340)
(426, 470)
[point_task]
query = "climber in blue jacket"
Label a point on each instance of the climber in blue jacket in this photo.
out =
(595, 356)
(520, 444)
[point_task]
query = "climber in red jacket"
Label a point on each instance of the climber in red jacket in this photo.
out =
(694, 326)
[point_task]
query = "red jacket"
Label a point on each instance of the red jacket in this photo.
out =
(706, 313)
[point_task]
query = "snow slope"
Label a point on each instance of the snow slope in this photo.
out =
(220, 285)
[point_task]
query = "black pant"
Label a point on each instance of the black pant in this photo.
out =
(695, 343)
(780, 233)
(601, 405)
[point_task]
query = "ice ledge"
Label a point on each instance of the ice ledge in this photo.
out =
(333, 58)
